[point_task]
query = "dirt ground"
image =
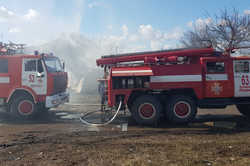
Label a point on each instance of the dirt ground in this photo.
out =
(217, 137)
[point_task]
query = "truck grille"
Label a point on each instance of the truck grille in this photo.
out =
(60, 84)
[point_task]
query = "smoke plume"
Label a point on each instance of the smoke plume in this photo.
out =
(79, 55)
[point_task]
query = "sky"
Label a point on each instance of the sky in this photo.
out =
(122, 25)
(80, 31)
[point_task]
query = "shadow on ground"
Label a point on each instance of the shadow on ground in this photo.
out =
(42, 118)
(207, 122)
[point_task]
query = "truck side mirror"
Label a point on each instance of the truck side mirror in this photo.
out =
(40, 66)
(63, 65)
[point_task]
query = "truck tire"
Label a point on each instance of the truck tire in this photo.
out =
(23, 107)
(181, 109)
(146, 110)
(244, 109)
(42, 111)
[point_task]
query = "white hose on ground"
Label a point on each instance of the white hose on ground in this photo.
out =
(100, 124)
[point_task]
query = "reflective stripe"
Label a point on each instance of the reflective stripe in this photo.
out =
(176, 78)
(216, 77)
(4, 79)
(132, 71)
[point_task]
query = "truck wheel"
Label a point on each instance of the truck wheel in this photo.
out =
(23, 107)
(146, 110)
(244, 109)
(181, 109)
(42, 111)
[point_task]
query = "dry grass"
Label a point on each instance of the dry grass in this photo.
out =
(59, 144)
(139, 146)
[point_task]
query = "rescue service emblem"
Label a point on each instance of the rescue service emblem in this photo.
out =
(216, 88)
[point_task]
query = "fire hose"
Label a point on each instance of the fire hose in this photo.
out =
(99, 124)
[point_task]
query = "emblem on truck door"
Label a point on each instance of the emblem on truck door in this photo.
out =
(216, 88)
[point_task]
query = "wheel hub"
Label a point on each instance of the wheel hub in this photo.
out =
(147, 111)
(182, 109)
(25, 107)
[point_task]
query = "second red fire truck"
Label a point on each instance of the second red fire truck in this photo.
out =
(174, 83)
(30, 84)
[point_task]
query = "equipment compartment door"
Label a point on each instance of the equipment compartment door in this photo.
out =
(241, 78)
(34, 76)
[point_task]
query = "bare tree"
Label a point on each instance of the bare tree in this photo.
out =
(226, 30)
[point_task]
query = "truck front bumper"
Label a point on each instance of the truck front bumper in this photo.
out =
(55, 100)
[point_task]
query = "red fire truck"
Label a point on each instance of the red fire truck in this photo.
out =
(174, 83)
(30, 83)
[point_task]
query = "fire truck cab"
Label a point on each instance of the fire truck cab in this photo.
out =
(30, 84)
(174, 83)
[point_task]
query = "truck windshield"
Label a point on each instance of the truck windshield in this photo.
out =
(53, 64)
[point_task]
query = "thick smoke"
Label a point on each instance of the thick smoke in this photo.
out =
(79, 55)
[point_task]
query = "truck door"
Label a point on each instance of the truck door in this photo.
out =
(216, 79)
(241, 78)
(34, 75)
(6, 81)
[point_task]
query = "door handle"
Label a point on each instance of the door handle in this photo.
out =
(40, 75)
